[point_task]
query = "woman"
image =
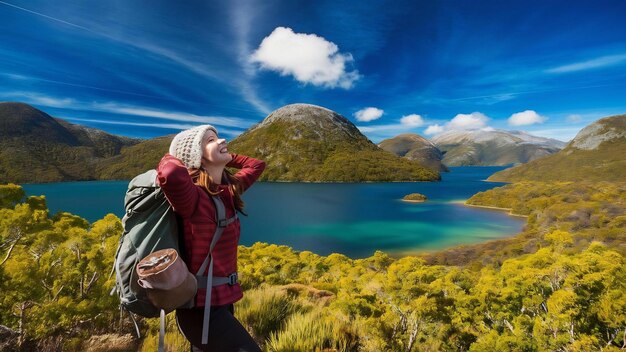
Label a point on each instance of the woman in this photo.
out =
(193, 169)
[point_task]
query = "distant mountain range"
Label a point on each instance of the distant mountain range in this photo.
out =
(597, 153)
(472, 148)
(299, 142)
(415, 147)
(493, 147)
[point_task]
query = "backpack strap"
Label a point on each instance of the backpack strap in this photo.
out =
(161, 331)
(222, 222)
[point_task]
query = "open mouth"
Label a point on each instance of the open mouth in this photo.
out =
(224, 150)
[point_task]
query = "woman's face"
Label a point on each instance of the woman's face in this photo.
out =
(214, 150)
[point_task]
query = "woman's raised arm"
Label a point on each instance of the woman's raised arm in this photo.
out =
(251, 169)
(177, 185)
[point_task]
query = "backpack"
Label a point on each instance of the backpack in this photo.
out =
(150, 224)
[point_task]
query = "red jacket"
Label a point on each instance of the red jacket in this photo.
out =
(198, 212)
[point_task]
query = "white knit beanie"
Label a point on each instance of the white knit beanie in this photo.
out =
(187, 145)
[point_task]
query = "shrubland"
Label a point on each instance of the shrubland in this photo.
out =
(560, 285)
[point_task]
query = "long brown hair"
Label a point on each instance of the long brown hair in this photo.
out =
(202, 178)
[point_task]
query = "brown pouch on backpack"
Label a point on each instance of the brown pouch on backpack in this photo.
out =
(166, 279)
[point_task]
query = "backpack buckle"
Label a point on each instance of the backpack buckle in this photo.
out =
(232, 279)
(222, 222)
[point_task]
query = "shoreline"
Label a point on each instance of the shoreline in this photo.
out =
(462, 202)
(495, 208)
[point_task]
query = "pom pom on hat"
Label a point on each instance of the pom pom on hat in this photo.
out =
(187, 145)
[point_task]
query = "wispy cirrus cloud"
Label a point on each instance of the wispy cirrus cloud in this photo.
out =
(242, 15)
(173, 126)
(599, 62)
(124, 109)
(44, 15)
(173, 56)
(563, 134)
(196, 63)
(22, 77)
(574, 118)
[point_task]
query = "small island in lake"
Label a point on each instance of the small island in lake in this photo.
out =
(414, 198)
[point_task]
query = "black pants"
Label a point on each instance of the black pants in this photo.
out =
(226, 334)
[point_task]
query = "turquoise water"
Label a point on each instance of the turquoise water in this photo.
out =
(354, 219)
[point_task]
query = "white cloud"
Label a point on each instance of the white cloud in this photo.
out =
(574, 118)
(307, 57)
(473, 121)
(434, 129)
(528, 117)
(368, 114)
(609, 60)
(412, 120)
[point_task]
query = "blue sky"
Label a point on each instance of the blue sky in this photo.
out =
(150, 68)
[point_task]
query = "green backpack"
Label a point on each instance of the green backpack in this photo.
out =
(150, 224)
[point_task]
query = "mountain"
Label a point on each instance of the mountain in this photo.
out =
(415, 147)
(493, 147)
(34, 147)
(302, 142)
(135, 159)
(103, 144)
(22, 121)
(597, 153)
(299, 142)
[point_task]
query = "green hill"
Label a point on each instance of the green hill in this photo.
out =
(597, 153)
(134, 159)
(309, 143)
(104, 144)
(34, 147)
(415, 147)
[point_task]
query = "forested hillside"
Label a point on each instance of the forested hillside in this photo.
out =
(302, 142)
(35, 147)
(597, 153)
(564, 291)
(589, 211)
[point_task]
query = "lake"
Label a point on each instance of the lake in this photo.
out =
(354, 219)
